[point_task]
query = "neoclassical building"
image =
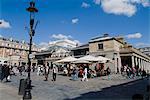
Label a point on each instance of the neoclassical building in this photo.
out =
(55, 50)
(15, 52)
(116, 49)
(145, 50)
(52, 53)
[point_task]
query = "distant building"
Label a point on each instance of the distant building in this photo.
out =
(64, 43)
(55, 50)
(116, 49)
(52, 54)
(145, 50)
(15, 52)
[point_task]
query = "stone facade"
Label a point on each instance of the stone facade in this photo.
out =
(118, 50)
(15, 52)
(53, 53)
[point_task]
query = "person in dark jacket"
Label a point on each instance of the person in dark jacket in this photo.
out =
(1, 72)
(5, 73)
(46, 69)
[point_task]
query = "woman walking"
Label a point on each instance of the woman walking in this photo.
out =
(85, 75)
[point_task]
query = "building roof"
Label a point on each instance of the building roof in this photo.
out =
(85, 46)
(133, 50)
(100, 39)
(52, 49)
(63, 40)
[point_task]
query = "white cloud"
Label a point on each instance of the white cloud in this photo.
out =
(140, 44)
(97, 2)
(145, 3)
(136, 1)
(78, 42)
(75, 21)
(121, 7)
(43, 45)
(118, 7)
(61, 36)
(4, 24)
(1, 36)
(136, 35)
(85, 5)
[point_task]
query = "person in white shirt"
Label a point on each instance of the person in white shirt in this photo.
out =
(85, 75)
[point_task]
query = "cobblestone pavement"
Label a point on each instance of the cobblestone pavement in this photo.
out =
(95, 89)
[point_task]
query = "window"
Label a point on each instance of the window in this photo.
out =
(100, 46)
(5, 61)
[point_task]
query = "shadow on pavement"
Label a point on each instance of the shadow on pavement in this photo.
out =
(126, 91)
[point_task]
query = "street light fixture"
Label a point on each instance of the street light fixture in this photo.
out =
(27, 94)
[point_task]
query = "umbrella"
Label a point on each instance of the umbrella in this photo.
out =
(66, 60)
(81, 62)
(88, 58)
(103, 59)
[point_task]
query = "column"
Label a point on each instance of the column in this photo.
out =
(139, 62)
(3, 52)
(115, 64)
(136, 61)
(132, 59)
(144, 64)
(148, 67)
(119, 64)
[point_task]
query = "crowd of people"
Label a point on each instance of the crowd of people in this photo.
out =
(85, 71)
(132, 72)
(6, 71)
(75, 71)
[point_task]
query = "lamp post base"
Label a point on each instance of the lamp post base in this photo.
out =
(27, 95)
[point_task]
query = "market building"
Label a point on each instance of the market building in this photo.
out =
(55, 50)
(15, 52)
(114, 48)
(145, 50)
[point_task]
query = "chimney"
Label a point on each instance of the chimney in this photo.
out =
(105, 35)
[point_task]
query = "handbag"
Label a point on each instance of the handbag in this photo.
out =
(8, 77)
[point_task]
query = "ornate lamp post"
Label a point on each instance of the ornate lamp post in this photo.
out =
(27, 95)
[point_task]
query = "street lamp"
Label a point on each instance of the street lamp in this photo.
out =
(27, 94)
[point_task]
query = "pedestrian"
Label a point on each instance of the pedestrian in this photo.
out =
(20, 70)
(38, 70)
(85, 75)
(54, 73)
(108, 72)
(46, 69)
(6, 73)
(143, 73)
(1, 72)
(76, 73)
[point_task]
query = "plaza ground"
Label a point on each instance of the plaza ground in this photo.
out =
(117, 88)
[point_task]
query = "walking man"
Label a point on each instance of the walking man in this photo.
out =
(54, 73)
(46, 68)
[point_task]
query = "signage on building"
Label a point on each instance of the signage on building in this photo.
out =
(31, 56)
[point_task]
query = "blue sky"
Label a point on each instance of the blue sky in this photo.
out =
(78, 19)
